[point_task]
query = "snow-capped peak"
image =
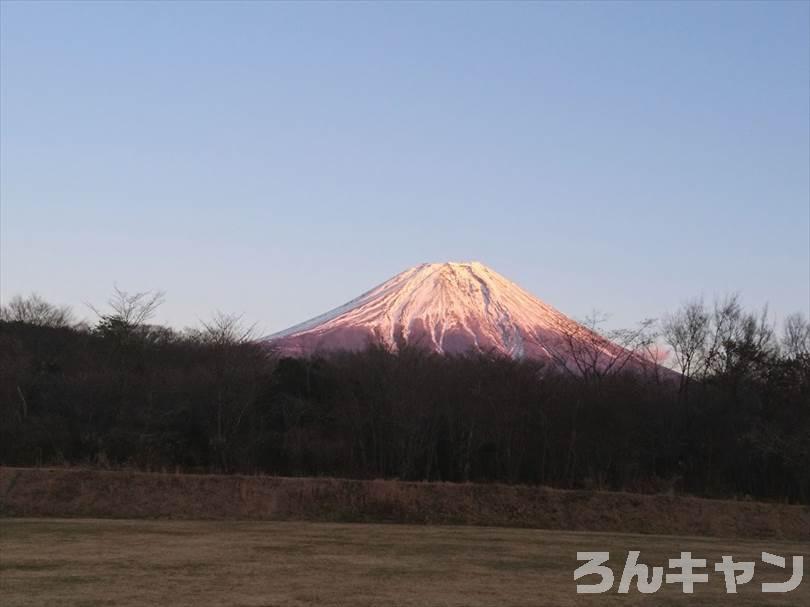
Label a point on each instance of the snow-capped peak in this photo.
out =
(449, 307)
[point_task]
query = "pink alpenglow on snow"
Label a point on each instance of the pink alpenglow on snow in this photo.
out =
(453, 308)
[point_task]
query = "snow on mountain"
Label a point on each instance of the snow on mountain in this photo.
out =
(450, 308)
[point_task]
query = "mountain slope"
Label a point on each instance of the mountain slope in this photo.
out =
(451, 308)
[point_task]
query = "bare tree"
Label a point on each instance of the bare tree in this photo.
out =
(132, 309)
(686, 332)
(585, 350)
(738, 341)
(635, 345)
(128, 312)
(226, 329)
(236, 361)
(719, 341)
(36, 311)
(796, 336)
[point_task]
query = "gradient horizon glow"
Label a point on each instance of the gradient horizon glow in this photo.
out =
(278, 159)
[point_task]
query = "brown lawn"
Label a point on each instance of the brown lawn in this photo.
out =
(129, 562)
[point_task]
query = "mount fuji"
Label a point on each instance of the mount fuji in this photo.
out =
(453, 308)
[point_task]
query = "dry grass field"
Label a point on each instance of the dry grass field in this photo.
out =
(128, 562)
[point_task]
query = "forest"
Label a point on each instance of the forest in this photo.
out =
(120, 392)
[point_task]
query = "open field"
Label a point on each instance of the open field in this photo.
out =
(135, 495)
(124, 562)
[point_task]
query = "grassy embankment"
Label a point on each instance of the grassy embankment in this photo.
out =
(98, 494)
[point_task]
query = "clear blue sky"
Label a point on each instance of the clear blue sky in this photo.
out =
(278, 159)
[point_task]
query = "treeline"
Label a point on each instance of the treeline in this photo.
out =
(119, 392)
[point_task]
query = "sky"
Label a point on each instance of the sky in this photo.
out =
(276, 160)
